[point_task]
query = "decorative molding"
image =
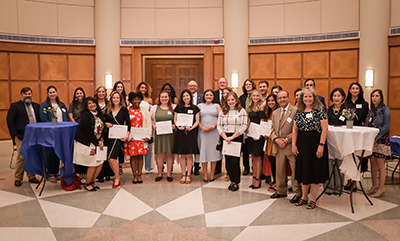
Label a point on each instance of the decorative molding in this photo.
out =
(47, 40)
(135, 42)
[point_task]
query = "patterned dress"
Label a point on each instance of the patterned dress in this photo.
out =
(134, 148)
(381, 147)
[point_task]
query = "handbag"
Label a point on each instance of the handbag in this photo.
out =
(219, 145)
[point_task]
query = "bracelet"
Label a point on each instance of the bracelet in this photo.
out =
(321, 144)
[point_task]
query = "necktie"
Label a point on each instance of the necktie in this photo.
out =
(282, 120)
(30, 115)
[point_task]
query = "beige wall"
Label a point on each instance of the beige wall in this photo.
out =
(271, 18)
(172, 19)
(56, 18)
(395, 13)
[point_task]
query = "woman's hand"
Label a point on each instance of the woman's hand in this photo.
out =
(295, 151)
(320, 151)
(173, 126)
(146, 140)
(101, 145)
(182, 128)
(109, 125)
(154, 126)
(188, 128)
(228, 139)
(124, 139)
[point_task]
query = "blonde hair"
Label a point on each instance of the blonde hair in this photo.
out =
(96, 92)
(255, 106)
(111, 105)
(225, 106)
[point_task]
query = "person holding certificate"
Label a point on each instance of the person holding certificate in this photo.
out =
(162, 117)
(310, 129)
(185, 142)
(89, 136)
(116, 114)
(208, 136)
(136, 148)
(254, 142)
(232, 123)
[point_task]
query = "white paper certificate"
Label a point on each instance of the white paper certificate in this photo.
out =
(117, 131)
(164, 127)
(265, 128)
(184, 119)
(254, 130)
(232, 149)
(138, 133)
(101, 155)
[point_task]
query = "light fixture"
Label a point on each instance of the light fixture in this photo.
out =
(369, 78)
(235, 80)
(109, 84)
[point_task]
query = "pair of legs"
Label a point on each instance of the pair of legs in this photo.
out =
(257, 168)
(212, 171)
(91, 175)
(314, 191)
(19, 164)
(281, 184)
(137, 169)
(378, 166)
(186, 166)
(160, 163)
(115, 167)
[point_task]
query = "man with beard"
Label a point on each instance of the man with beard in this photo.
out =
(20, 114)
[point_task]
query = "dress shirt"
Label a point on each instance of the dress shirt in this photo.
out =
(32, 111)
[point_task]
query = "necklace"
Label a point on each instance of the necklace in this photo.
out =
(336, 112)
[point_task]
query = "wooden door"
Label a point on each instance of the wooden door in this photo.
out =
(177, 72)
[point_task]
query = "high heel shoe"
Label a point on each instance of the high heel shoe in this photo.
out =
(372, 191)
(251, 186)
(117, 185)
(378, 194)
(259, 185)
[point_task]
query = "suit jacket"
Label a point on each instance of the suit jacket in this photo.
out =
(199, 98)
(17, 118)
(322, 99)
(285, 128)
(217, 98)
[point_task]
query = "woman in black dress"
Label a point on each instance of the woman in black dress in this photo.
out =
(185, 142)
(309, 134)
(256, 144)
(116, 114)
(335, 117)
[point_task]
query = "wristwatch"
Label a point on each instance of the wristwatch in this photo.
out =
(321, 144)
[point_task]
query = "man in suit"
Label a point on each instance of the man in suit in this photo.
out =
(20, 114)
(310, 83)
(222, 84)
(281, 134)
(197, 99)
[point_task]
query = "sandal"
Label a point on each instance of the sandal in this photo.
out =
(311, 205)
(301, 202)
(94, 185)
(89, 187)
(53, 179)
(188, 179)
(183, 179)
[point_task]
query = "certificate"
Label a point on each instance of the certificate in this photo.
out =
(117, 131)
(254, 130)
(232, 149)
(265, 128)
(138, 133)
(101, 155)
(164, 127)
(184, 119)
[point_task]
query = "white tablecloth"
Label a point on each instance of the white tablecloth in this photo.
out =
(343, 142)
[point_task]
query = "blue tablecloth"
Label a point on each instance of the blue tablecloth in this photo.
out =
(60, 137)
(395, 145)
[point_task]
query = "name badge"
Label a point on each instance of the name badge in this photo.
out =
(309, 115)
(63, 110)
(370, 119)
(289, 119)
(341, 118)
(358, 106)
(190, 111)
(169, 113)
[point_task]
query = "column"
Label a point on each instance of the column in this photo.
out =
(107, 23)
(236, 36)
(374, 50)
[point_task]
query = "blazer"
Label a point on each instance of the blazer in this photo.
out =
(217, 98)
(85, 132)
(322, 99)
(199, 98)
(45, 115)
(285, 128)
(17, 118)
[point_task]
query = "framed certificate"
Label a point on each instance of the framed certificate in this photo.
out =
(117, 131)
(184, 119)
(164, 127)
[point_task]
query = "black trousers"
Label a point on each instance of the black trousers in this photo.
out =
(233, 163)
(246, 159)
(272, 160)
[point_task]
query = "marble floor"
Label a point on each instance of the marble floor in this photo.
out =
(196, 211)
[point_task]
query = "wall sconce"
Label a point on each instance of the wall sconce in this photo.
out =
(235, 80)
(369, 78)
(109, 82)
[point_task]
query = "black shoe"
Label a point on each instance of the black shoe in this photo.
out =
(295, 199)
(246, 172)
(259, 185)
(169, 179)
(230, 186)
(196, 171)
(235, 187)
(100, 180)
(290, 189)
(108, 178)
(158, 179)
(268, 179)
(277, 195)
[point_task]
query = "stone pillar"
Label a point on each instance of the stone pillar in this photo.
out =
(236, 36)
(374, 50)
(107, 23)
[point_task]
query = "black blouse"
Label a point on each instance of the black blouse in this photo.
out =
(188, 110)
(122, 118)
(361, 108)
(85, 132)
(256, 117)
(333, 119)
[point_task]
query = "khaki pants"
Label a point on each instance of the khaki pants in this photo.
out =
(19, 164)
(281, 173)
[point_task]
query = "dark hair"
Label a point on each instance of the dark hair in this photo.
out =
(98, 109)
(287, 92)
(134, 95)
(276, 87)
(381, 104)
(123, 90)
(297, 90)
(341, 91)
(147, 95)
(204, 95)
(360, 98)
(172, 94)
(269, 110)
(26, 89)
(191, 97)
(225, 106)
(57, 99)
(75, 100)
(253, 85)
(263, 81)
(307, 81)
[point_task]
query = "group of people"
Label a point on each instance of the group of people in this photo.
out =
(217, 118)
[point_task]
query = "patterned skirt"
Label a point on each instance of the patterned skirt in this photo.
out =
(382, 147)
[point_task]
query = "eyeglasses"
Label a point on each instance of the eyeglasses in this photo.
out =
(282, 98)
